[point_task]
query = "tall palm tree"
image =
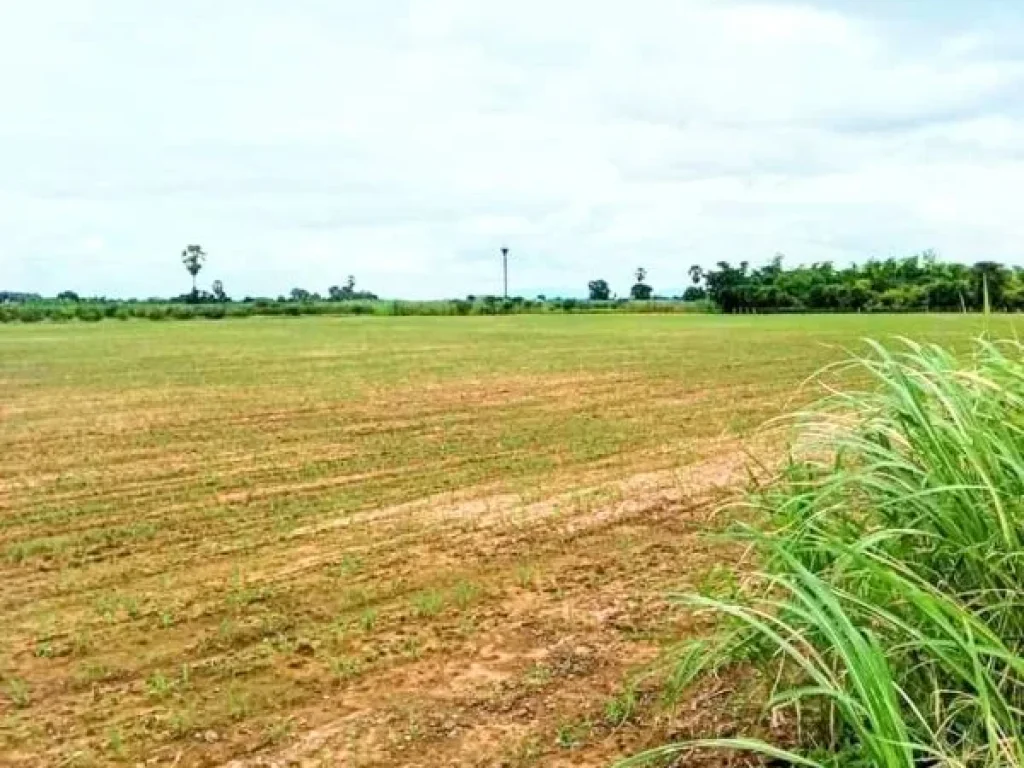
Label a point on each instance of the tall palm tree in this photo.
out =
(193, 257)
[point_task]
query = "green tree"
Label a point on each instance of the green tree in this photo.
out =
(346, 292)
(599, 290)
(193, 257)
(641, 291)
(218, 291)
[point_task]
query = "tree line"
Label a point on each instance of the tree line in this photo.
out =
(920, 283)
(193, 257)
(917, 283)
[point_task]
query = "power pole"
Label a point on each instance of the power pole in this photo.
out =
(504, 268)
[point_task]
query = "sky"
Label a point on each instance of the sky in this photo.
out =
(406, 141)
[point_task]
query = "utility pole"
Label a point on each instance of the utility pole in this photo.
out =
(504, 268)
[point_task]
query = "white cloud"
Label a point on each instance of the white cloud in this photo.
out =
(405, 141)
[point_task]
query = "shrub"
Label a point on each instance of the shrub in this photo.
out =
(28, 313)
(59, 314)
(180, 312)
(88, 313)
(212, 311)
(239, 310)
(889, 606)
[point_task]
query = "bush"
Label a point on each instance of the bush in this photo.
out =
(59, 314)
(892, 546)
(180, 312)
(212, 311)
(239, 310)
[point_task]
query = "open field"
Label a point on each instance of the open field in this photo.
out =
(371, 541)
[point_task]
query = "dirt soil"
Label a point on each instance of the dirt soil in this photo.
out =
(470, 630)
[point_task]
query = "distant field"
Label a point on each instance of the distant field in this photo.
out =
(369, 541)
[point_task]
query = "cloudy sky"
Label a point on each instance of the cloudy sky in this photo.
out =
(405, 141)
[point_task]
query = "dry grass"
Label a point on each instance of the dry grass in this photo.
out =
(368, 541)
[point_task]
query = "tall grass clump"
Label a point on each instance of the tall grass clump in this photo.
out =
(888, 608)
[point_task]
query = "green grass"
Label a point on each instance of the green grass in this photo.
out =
(890, 607)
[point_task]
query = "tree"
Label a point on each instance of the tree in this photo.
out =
(345, 293)
(696, 273)
(193, 257)
(68, 296)
(599, 290)
(348, 292)
(300, 294)
(694, 293)
(641, 291)
(218, 291)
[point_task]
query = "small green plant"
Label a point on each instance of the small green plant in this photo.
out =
(621, 708)
(368, 619)
(91, 672)
(158, 686)
(349, 566)
(239, 702)
(573, 735)
(82, 643)
(182, 722)
(465, 593)
(526, 752)
(427, 603)
(17, 691)
(345, 668)
(115, 743)
(241, 594)
(526, 575)
(131, 607)
(275, 733)
(358, 597)
(720, 583)
(539, 675)
(44, 649)
(685, 664)
(106, 606)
